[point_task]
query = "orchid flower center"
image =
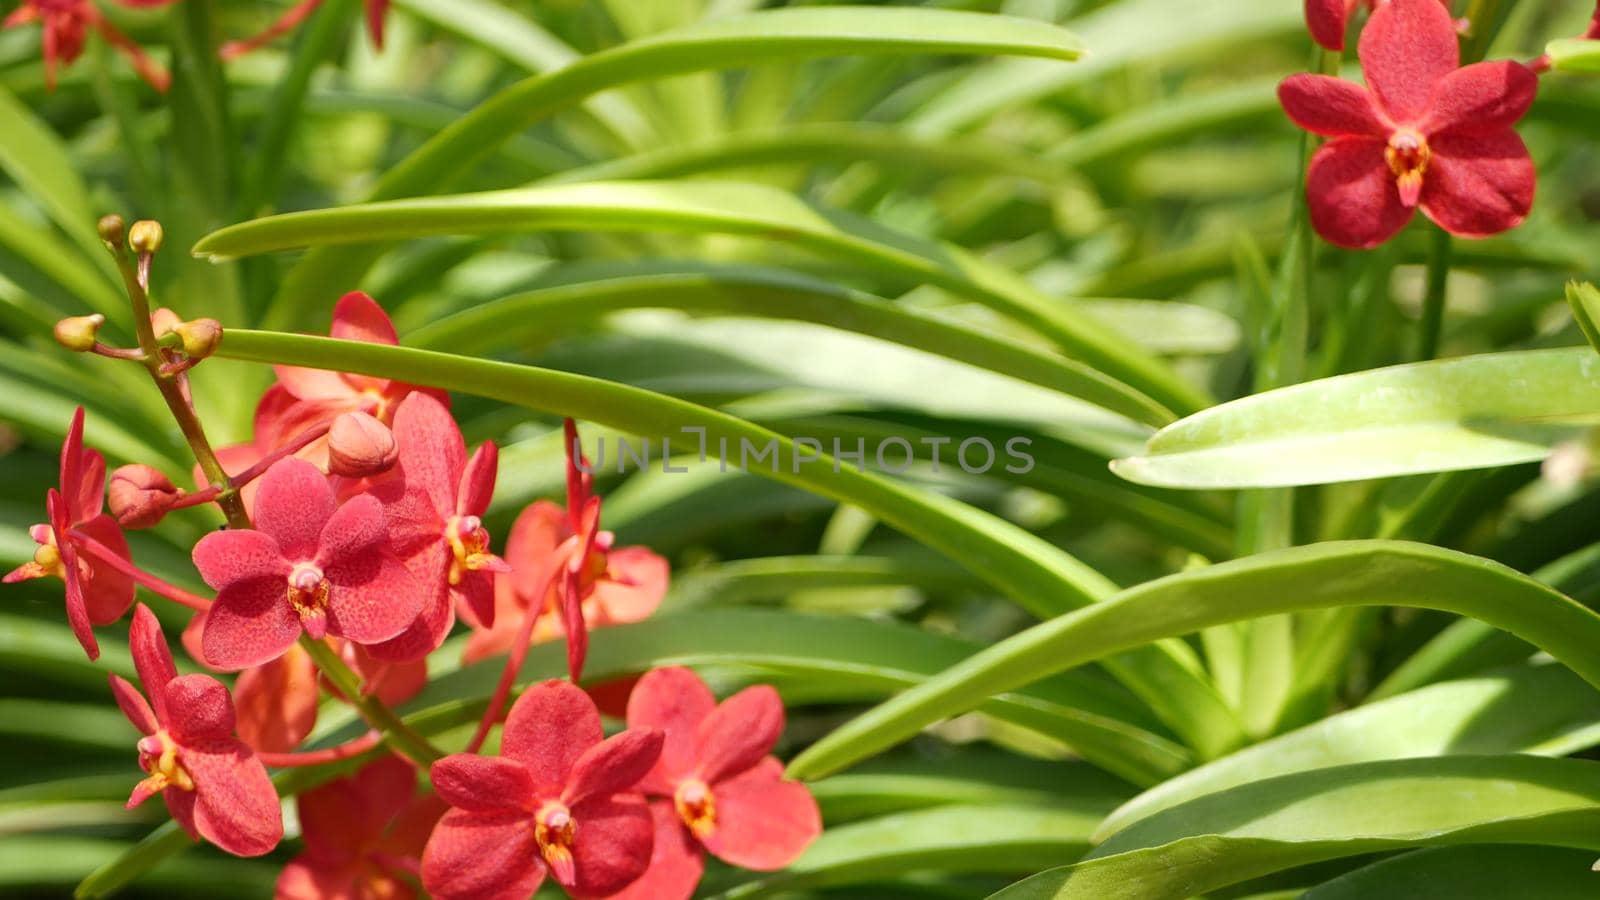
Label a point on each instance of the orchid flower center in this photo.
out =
(1408, 157)
(308, 594)
(696, 807)
(48, 557)
(470, 544)
(158, 755)
(554, 829)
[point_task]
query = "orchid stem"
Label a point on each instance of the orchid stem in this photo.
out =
(172, 389)
(318, 757)
(1433, 301)
(400, 735)
(235, 482)
(172, 592)
(508, 676)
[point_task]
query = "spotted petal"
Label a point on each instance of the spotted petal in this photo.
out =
(1479, 186)
(1407, 49)
(482, 856)
(763, 822)
(1352, 194)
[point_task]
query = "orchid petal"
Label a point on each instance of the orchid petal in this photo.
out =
(1479, 186)
(229, 557)
(674, 701)
(549, 728)
(134, 705)
(1331, 107)
(611, 848)
(762, 822)
(277, 702)
(236, 807)
(482, 856)
(483, 783)
(1482, 99)
(614, 765)
(1353, 198)
(152, 659)
(250, 623)
(739, 732)
(676, 860)
(198, 709)
(293, 506)
(1407, 49)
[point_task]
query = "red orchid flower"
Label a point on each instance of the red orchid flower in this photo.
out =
(319, 395)
(376, 11)
(433, 499)
(364, 836)
(97, 594)
(310, 566)
(626, 584)
(65, 26)
(1423, 132)
(616, 585)
(1328, 20)
(722, 792)
(212, 782)
(558, 801)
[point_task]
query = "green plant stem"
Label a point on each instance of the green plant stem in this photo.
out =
(172, 392)
(1433, 300)
(400, 735)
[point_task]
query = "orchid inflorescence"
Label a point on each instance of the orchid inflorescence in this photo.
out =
(355, 538)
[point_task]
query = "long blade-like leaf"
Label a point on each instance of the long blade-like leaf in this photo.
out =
(1478, 411)
(1350, 573)
(1347, 811)
(764, 37)
(1036, 574)
(730, 207)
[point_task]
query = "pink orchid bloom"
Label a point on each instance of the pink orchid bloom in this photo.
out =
(1424, 133)
(557, 802)
(212, 782)
(614, 585)
(720, 792)
(310, 566)
(318, 395)
(97, 593)
(65, 26)
(364, 836)
(434, 499)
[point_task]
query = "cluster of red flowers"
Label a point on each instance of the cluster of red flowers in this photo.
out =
(65, 25)
(366, 543)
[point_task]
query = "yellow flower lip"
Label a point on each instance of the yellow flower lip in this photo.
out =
(697, 807)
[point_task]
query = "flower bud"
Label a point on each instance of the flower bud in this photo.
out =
(112, 230)
(360, 446)
(200, 337)
(77, 333)
(140, 495)
(145, 236)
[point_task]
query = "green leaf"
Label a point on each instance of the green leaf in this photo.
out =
(519, 39)
(789, 33)
(1575, 55)
(1282, 823)
(1003, 839)
(1473, 412)
(38, 866)
(1036, 574)
(1348, 573)
(970, 776)
(1482, 872)
(730, 207)
(812, 144)
(1120, 35)
(37, 160)
(1103, 723)
(513, 321)
(1542, 709)
(1584, 299)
